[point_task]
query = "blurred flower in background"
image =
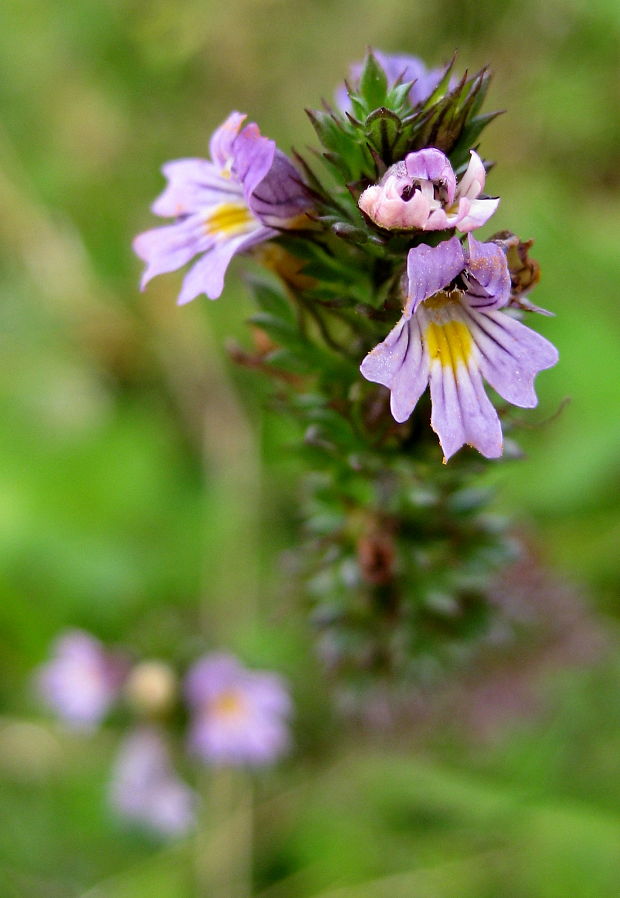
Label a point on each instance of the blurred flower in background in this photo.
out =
(239, 716)
(151, 688)
(399, 67)
(82, 679)
(145, 788)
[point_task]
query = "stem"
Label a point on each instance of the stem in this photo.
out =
(224, 842)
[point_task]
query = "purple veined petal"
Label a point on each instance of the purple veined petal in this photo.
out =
(432, 165)
(170, 247)
(280, 196)
(472, 182)
(222, 139)
(207, 275)
(384, 361)
(478, 213)
(193, 184)
(430, 269)
(511, 355)
(486, 275)
(253, 157)
(411, 379)
(400, 364)
(462, 412)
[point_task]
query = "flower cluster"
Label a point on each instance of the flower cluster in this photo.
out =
(399, 137)
(238, 717)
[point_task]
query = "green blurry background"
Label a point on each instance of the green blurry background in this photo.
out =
(143, 488)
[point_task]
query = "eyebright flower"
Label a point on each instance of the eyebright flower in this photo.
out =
(452, 334)
(421, 193)
(81, 680)
(145, 789)
(239, 716)
(397, 67)
(241, 197)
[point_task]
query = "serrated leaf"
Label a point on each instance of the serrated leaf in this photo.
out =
(329, 130)
(442, 87)
(373, 83)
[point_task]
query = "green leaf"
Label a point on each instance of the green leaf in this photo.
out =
(373, 83)
(272, 301)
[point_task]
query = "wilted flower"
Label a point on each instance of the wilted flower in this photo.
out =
(239, 716)
(241, 197)
(452, 335)
(397, 67)
(145, 788)
(81, 680)
(421, 193)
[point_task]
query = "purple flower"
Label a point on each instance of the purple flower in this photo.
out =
(451, 336)
(421, 193)
(222, 207)
(81, 680)
(145, 789)
(396, 67)
(239, 716)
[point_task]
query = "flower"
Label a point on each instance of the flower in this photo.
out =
(81, 680)
(421, 193)
(239, 716)
(397, 67)
(451, 336)
(145, 789)
(222, 207)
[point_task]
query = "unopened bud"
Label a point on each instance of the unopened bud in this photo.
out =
(151, 688)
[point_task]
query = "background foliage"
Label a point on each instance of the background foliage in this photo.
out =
(140, 479)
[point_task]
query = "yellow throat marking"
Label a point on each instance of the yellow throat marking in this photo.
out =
(228, 704)
(228, 220)
(451, 343)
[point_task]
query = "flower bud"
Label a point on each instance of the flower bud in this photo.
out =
(151, 688)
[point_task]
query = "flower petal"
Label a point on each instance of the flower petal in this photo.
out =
(281, 195)
(253, 157)
(172, 246)
(193, 184)
(400, 364)
(462, 412)
(432, 165)
(478, 214)
(222, 139)
(486, 275)
(430, 269)
(472, 182)
(511, 355)
(207, 275)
